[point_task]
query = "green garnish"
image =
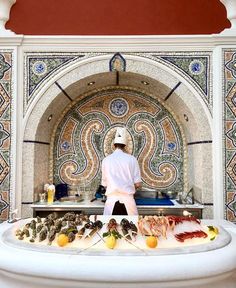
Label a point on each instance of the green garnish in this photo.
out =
(105, 234)
(114, 233)
(211, 228)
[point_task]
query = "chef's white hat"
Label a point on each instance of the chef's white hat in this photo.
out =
(121, 136)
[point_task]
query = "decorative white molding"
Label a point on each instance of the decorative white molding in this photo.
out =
(230, 6)
(218, 173)
(5, 8)
(123, 43)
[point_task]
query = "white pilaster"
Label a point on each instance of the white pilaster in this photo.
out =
(218, 171)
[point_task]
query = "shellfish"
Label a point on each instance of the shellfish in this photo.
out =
(71, 237)
(70, 216)
(43, 234)
(34, 233)
(81, 232)
(39, 228)
(58, 225)
(39, 220)
(52, 234)
(96, 226)
(26, 232)
(33, 224)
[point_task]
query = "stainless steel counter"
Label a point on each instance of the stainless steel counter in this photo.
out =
(97, 207)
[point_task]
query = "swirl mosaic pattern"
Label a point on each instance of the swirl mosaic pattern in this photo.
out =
(85, 133)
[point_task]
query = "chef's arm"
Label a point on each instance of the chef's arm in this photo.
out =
(104, 181)
(137, 175)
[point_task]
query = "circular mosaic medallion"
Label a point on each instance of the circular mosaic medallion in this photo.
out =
(108, 146)
(39, 68)
(196, 67)
(119, 107)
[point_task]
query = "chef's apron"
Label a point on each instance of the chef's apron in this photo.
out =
(126, 199)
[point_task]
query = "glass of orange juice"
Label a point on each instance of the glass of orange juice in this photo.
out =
(51, 193)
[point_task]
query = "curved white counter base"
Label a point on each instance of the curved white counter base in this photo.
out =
(21, 268)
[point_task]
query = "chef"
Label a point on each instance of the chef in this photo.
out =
(121, 177)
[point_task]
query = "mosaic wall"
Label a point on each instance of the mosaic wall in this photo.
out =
(85, 133)
(229, 91)
(5, 131)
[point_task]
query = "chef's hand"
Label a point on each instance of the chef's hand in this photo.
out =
(138, 185)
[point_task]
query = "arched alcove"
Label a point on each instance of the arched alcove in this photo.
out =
(85, 78)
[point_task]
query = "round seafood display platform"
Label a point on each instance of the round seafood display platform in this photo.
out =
(102, 251)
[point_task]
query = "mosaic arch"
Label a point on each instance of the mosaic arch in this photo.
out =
(84, 135)
(41, 67)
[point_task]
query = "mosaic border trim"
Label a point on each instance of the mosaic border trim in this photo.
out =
(6, 126)
(229, 137)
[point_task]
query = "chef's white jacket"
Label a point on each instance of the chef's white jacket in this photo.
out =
(120, 171)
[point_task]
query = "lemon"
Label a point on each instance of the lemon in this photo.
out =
(216, 230)
(212, 232)
(213, 229)
(151, 241)
(211, 235)
(62, 240)
(110, 242)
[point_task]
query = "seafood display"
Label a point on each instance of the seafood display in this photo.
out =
(160, 225)
(153, 225)
(50, 227)
(189, 235)
(98, 232)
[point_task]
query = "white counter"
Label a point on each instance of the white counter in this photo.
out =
(21, 268)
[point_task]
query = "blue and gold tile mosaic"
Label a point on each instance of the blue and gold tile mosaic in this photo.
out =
(117, 63)
(39, 67)
(194, 67)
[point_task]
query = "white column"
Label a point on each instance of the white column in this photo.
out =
(5, 7)
(230, 6)
(218, 174)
